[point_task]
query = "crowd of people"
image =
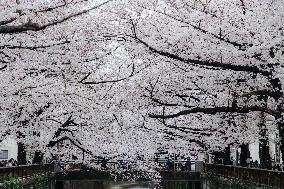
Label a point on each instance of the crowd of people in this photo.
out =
(270, 164)
(8, 163)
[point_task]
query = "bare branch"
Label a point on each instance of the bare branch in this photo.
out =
(217, 110)
(241, 46)
(274, 94)
(243, 6)
(4, 22)
(2, 68)
(106, 81)
(53, 8)
(54, 142)
(36, 27)
(34, 47)
(208, 63)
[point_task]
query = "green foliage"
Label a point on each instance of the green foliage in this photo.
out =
(40, 180)
(214, 181)
(266, 187)
(218, 183)
(240, 184)
(13, 183)
(180, 185)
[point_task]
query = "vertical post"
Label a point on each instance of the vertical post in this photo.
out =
(174, 161)
(199, 167)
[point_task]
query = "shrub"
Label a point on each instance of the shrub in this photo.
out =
(13, 183)
(40, 180)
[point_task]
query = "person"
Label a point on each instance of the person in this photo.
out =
(9, 163)
(104, 163)
(248, 161)
(277, 167)
(169, 164)
(256, 164)
(188, 164)
(14, 162)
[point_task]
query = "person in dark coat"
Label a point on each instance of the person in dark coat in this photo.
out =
(188, 164)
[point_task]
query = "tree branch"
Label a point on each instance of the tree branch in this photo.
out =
(241, 46)
(54, 142)
(34, 47)
(2, 68)
(106, 81)
(274, 94)
(215, 64)
(36, 27)
(216, 110)
(4, 22)
(53, 8)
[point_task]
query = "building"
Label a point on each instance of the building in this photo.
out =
(8, 149)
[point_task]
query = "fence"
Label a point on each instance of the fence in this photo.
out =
(163, 165)
(25, 170)
(252, 175)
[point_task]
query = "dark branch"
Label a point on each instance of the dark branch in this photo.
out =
(241, 46)
(274, 94)
(4, 22)
(215, 64)
(34, 47)
(106, 81)
(52, 8)
(173, 136)
(53, 143)
(36, 27)
(188, 130)
(217, 110)
(243, 6)
(116, 119)
(2, 68)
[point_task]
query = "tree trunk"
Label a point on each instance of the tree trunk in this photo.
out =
(38, 158)
(281, 138)
(264, 155)
(276, 84)
(227, 156)
(245, 154)
(22, 155)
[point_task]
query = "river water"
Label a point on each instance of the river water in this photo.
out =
(105, 185)
(128, 185)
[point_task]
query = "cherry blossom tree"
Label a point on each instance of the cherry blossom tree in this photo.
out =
(63, 83)
(119, 79)
(211, 57)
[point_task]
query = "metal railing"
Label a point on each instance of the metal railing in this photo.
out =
(164, 165)
(252, 175)
(25, 170)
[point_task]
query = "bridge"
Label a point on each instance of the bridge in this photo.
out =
(74, 172)
(256, 176)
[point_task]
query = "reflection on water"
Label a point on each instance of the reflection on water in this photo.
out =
(105, 185)
(129, 185)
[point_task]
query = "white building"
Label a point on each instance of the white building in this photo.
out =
(8, 149)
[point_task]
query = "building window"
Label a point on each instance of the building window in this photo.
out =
(3, 154)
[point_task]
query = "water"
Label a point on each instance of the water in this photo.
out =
(126, 185)
(99, 184)
(104, 185)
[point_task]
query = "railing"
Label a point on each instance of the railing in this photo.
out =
(164, 165)
(25, 170)
(252, 175)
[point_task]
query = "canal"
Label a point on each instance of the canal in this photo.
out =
(91, 184)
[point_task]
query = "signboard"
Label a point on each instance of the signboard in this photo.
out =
(3, 154)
